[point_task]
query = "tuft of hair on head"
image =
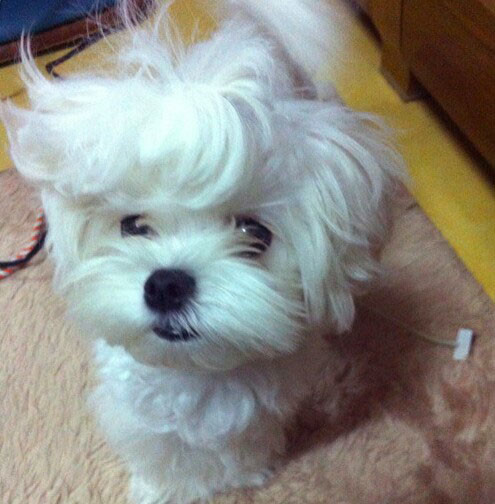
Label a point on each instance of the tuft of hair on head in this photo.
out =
(207, 102)
(307, 30)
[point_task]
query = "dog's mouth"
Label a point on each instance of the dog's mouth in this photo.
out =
(174, 334)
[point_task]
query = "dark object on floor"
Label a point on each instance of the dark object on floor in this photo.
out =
(449, 48)
(53, 24)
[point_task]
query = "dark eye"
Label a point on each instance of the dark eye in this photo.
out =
(262, 236)
(130, 226)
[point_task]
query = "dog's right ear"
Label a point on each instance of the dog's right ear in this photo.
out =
(29, 143)
(74, 137)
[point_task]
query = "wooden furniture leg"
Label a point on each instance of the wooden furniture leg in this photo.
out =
(398, 74)
(387, 17)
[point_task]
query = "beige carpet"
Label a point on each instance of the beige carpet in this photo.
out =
(402, 422)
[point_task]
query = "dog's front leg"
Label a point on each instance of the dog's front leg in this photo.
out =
(166, 469)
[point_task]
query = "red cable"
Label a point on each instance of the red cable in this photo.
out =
(34, 246)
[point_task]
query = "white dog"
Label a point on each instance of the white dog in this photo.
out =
(211, 216)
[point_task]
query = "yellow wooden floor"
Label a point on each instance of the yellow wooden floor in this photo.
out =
(447, 179)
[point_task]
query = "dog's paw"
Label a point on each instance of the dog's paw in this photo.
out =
(254, 479)
(143, 493)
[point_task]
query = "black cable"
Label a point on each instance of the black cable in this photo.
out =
(84, 44)
(20, 262)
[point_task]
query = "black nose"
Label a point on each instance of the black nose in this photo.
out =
(168, 289)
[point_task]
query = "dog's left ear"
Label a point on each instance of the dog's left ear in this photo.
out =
(338, 217)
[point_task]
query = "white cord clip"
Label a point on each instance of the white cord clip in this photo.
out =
(463, 344)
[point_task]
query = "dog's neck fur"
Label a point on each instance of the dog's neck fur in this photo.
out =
(188, 403)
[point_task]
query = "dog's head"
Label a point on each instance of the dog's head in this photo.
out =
(200, 211)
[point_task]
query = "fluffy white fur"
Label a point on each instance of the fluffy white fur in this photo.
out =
(190, 137)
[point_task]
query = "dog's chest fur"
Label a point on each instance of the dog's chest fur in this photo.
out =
(202, 409)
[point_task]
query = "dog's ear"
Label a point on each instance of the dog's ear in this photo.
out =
(339, 215)
(75, 134)
(38, 135)
(28, 139)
